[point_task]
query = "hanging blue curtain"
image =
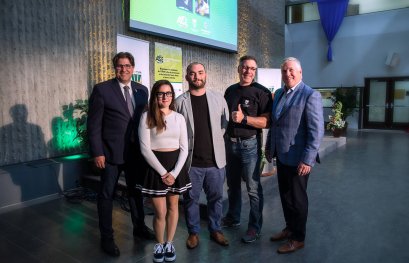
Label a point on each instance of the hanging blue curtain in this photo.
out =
(332, 13)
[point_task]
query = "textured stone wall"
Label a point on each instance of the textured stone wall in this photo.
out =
(53, 52)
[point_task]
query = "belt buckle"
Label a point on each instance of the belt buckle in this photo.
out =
(233, 139)
(238, 139)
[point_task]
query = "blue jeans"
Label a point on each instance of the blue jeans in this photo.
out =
(211, 180)
(243, 161)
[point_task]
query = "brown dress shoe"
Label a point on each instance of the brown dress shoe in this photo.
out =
(284, 234)
(192, 241)
(290, 246)
(219, 238)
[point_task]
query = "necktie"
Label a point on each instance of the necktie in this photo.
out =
(128, 100)
(281, 103)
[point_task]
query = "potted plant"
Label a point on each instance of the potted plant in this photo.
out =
(347, 97)
(266, 168)
(336, 123)
(81, 122)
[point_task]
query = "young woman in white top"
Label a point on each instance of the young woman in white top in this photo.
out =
(164, 144)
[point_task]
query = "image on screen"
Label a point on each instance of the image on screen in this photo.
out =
(202, 7)
(211, 23)
(186, 5)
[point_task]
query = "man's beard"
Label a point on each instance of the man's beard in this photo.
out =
(196, 87)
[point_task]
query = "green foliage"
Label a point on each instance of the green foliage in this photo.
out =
(64, 132)
(347, 97)
(336, 121)
(81, 107)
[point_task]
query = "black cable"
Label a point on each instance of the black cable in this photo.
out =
(80, 194)
(77, 195)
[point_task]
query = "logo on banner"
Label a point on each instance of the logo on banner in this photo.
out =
(159, 59)
(137, 77)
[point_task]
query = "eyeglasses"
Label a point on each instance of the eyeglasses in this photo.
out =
(244, 68)
(166, 94)
(126, 66)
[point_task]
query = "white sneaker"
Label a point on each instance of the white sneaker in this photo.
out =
(158, 253)
(170, 253)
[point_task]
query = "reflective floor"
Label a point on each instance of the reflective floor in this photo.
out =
(359, 212)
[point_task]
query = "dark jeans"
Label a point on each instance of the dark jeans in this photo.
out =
(243, 162)
(294, 199)
(109, 180)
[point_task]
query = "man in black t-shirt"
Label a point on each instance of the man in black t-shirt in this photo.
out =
(249, 106)
(206, 115)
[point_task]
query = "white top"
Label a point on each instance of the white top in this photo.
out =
(174, 136)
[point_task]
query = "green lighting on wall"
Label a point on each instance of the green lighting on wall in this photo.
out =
(66, 138)
(64, 135)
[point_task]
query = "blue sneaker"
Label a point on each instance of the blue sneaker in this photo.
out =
(158, 253)
(250, 236)
(170, 253)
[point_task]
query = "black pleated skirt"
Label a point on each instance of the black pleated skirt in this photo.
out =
(152, 183)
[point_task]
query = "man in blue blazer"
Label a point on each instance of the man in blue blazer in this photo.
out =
(294, 137)
(115, 107)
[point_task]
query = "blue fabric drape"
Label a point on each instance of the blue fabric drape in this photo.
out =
(332, 13)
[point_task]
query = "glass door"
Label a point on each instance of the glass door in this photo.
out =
(400, 103)
(386, 103)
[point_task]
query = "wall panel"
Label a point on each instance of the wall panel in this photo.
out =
(53, 52)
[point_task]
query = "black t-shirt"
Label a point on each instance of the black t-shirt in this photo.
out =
(254, 99)
(203, 152)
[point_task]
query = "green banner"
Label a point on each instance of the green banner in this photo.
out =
(168, 63)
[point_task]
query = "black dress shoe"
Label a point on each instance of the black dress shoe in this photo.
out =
(109, 247)
(144, 232)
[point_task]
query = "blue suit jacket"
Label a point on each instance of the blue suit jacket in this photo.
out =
(295, 135)
(110, 125)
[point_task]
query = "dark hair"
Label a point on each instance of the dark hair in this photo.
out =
(155, 116)
(123, 55)
(247, 57)
(189, 68)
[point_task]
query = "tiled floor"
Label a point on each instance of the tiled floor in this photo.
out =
(359, 212)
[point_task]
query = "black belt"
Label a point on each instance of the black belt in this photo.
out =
(239, 139)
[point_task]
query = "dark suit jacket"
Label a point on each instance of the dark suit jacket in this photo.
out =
(296, 134)
(110, 125)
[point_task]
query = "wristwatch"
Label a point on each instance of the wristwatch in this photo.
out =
(244, 120)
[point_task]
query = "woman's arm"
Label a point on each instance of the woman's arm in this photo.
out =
(183, 147)
(145, 143)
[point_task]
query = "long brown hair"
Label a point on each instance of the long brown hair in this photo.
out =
(155, 117)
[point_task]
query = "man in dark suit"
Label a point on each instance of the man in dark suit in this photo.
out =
(294, 138)
(115, 107)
